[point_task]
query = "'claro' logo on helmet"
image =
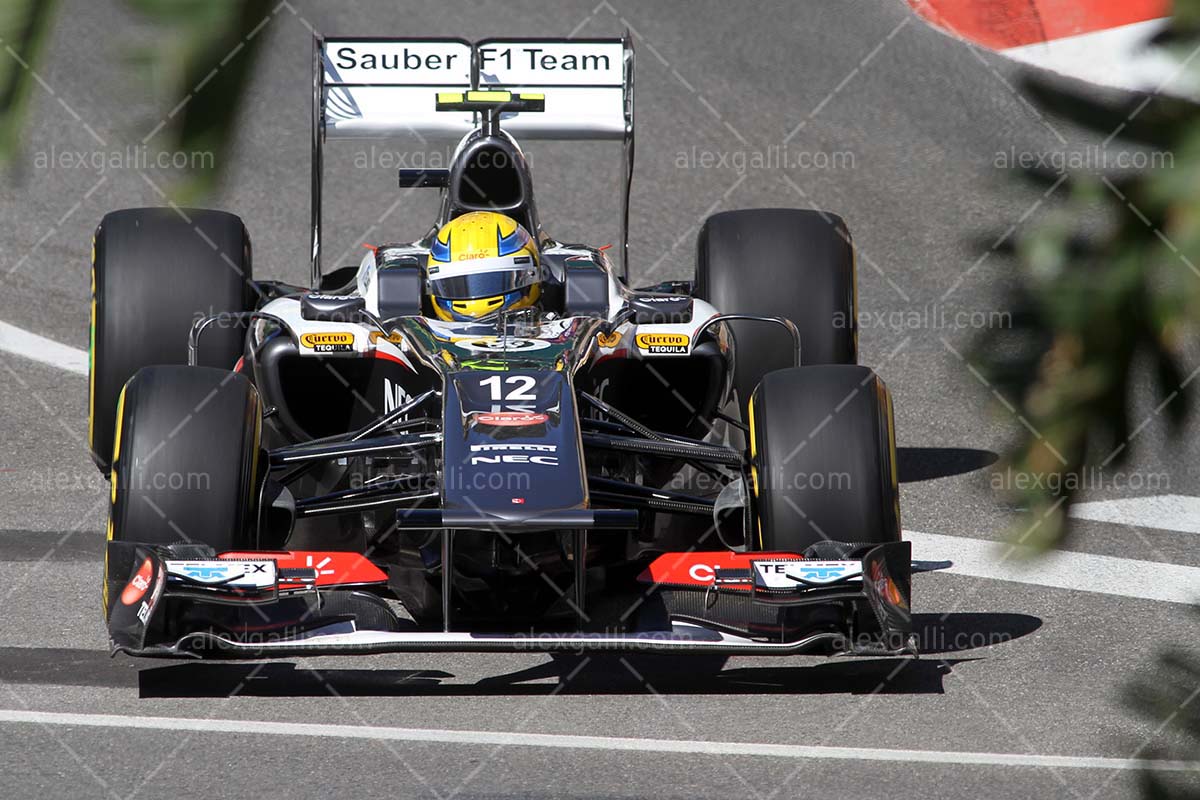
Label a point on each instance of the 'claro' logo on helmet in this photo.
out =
(329, 342)
(663, 344)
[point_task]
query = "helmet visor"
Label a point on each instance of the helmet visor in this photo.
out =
(479, 278)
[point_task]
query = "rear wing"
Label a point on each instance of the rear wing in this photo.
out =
(376, 87)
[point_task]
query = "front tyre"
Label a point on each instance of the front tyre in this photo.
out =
(186, 462)
(186, 459)
(823, 459)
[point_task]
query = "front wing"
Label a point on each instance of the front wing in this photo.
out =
(185, 601)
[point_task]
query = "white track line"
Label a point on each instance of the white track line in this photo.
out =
(1127, 577)
(21, 342)
(611, 743)
(1171, 512)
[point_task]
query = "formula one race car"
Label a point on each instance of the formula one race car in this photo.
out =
(485, 439)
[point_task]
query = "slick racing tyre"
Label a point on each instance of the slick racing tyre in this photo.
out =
(186, 460)
(823, 459)
(780, 262)
(154, 273)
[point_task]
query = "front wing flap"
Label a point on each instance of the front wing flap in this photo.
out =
(865, 599)
(177, 591)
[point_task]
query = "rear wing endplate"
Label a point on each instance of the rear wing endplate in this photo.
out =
(376, 87)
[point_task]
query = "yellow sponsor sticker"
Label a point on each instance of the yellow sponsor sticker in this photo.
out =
(393, 337)
(608, 339)
(330, 342)
(663, 344)
(489, 96)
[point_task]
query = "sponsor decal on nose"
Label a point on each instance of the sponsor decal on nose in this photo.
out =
(138, 584)
(510, 419)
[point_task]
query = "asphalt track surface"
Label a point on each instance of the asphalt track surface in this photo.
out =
(1016, 670)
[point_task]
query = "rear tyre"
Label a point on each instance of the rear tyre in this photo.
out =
(780, 262)
(154, 273)
(186, 460)
(823, 458)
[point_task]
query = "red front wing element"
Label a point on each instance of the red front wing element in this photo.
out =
(701, 570)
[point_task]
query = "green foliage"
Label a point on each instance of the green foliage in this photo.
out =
(203, 57)
(1093, 309)
(24, 28)
(1093, 312)
(208, 55)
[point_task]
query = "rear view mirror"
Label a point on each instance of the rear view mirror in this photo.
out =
(332, 307)
(658, 309)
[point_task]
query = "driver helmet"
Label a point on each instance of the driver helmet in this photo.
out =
(481, 264)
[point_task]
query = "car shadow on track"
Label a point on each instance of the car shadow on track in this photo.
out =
(939, 634)
(939, 637)
(561, 674)
(606, 674)
(929, 463)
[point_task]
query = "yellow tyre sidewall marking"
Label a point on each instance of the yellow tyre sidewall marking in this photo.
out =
(112, 509)
(754, 470)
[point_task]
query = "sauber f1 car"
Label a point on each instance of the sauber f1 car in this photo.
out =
(486, 439)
